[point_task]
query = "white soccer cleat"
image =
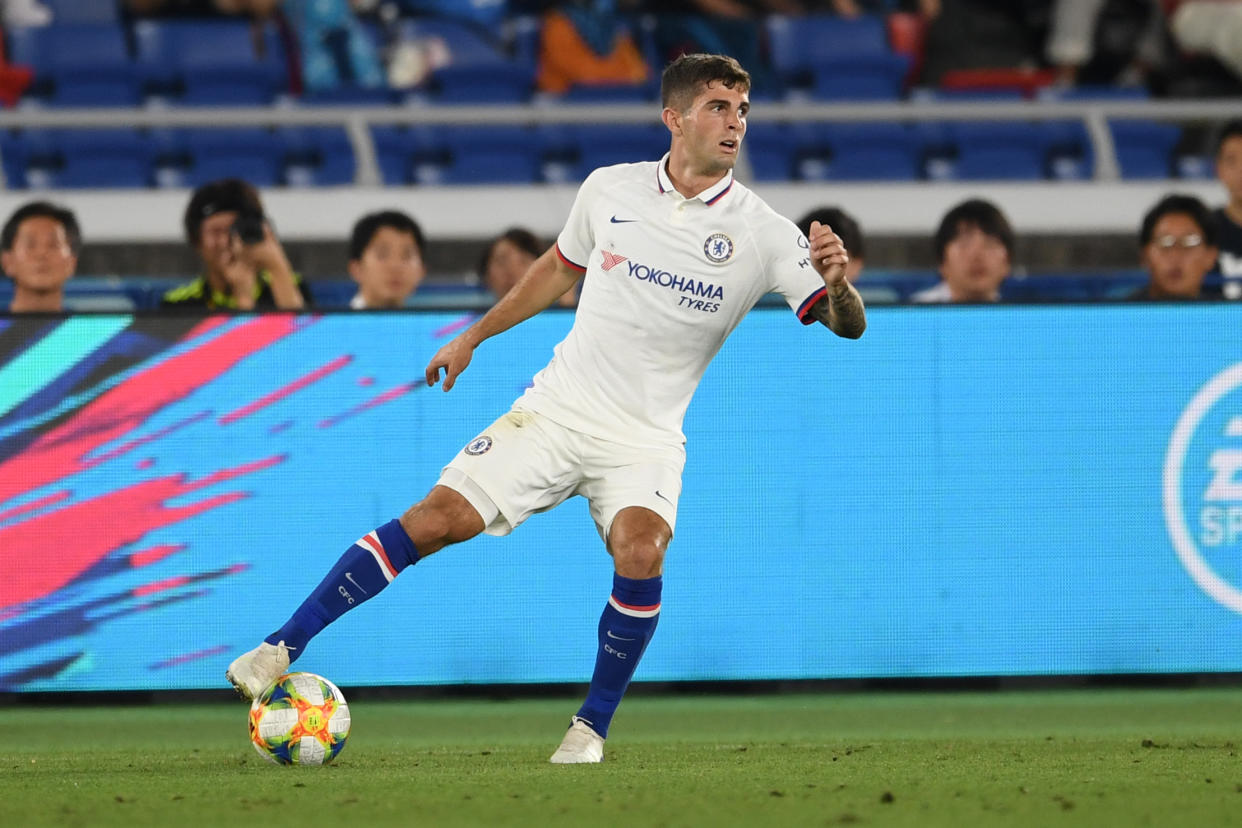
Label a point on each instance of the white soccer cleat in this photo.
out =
(257, 670)
(581, 745)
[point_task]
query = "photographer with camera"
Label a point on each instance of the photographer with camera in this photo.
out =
(245, 267)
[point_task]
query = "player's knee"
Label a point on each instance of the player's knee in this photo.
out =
(432, 524)
(638, 555)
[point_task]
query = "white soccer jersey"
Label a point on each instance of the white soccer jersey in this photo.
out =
(667, 279)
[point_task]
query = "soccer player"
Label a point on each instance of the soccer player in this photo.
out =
(674, 253)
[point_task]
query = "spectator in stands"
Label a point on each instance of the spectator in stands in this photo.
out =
(845, 226)
(974, 245)
(587, 43)
(1078, 26)
(507, 257)
(1178, 242)
(39, 251)
(1209, 27)
(386, 259)
(245, 267)
(334, 49)
(979, 34)
(1229, 217)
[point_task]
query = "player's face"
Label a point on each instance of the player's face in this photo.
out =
(975, 263)
(1177, 257)
(41, 259)
(712, 127)
(1229, 166)
(506, 264)
(391, 268)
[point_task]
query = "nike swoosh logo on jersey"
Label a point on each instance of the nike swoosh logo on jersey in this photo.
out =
(662, 497)
(616, 220)
(618, 637)
(349, 576)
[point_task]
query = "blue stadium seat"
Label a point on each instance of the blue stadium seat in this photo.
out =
(794, 42)
(601, 146)
(482, 84)
(1071, 156)
(97, 158)
(999, 150)
(350, 95)
(317, 156)
(83, 11)
(15, 156)
(490, 154)
(253, 154)
(612, 93)
(77, 64)
(1144, 148)
(392, 154)
(872, 152)
(211, 62)
(769, 150)
(866, 77)
(407, 154)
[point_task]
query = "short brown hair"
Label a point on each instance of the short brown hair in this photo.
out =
(683, 78)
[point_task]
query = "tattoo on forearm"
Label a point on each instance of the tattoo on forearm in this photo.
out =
(842, 311)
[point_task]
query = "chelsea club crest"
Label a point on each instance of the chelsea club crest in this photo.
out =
(718, 248)
(479, 445)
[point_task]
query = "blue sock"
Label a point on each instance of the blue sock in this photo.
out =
(625, 628)
(366, 568)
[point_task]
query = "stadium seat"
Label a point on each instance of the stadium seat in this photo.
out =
(253, 154)
(769, 149)
(612, 93)
(1144, 148)
(407, 154)
(211, 62)
(866, 77)
(490, 154)
(793, 43)
(483, 83)
(999, 150)
(77, 64)
(15, 156)
(317, 156)
(83, 11)
(872, 152)
(350, 95)
(96, 158)
(1071, 156)
(599, 146)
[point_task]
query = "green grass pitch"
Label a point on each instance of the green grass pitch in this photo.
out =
(1100, 757)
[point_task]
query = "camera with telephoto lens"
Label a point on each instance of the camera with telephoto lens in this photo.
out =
(248, 226)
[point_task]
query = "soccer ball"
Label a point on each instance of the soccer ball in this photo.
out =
(302, 719)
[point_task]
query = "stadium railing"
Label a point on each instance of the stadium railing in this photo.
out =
(357, 121)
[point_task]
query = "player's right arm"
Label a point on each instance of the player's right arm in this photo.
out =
(545, 281)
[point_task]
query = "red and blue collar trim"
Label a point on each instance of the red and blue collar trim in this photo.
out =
(709, 196)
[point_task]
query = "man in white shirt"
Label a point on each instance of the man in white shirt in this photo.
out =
(674, 253)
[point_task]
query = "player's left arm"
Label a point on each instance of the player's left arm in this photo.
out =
(841, 308)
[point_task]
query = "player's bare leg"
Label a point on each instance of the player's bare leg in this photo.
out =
(443, 517)
(637, 541)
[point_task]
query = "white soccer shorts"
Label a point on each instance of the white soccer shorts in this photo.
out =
(525, 463)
